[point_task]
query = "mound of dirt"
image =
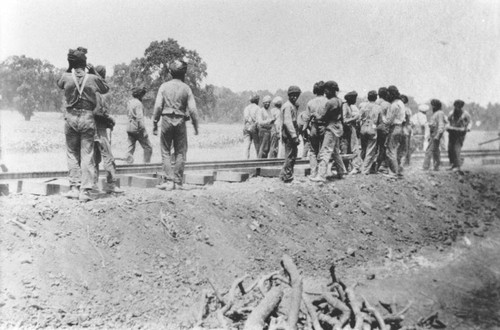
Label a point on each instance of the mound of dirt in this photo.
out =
(144, 259)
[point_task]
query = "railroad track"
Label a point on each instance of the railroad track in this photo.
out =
(215, 165)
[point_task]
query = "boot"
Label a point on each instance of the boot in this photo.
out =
(73, 193)
(167, 185)
(84, 196)
(112, 188)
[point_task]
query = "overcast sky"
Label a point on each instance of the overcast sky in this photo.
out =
(443, 49)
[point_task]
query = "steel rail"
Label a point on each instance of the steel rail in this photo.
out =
(214, 165)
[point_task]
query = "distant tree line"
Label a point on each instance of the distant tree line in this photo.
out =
(29, 85)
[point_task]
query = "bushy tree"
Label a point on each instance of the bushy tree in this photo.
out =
(29, 85)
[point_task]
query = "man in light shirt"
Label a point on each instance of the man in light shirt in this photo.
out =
(136, 129)
(175, 104)
(250, 129)
(395, 119)
(436, 127)
(418, 125)
(276, 129)
(265, 122)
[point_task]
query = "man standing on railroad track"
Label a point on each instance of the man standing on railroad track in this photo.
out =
(289, 134)
(436, 126)
(276, 129)
(80, 90)
(459, 124)
(136, 129)
(175, 104)
(314, 110)
(404, 152)
(265, 122)
(250, 129)
(330, 147)
(382, 130)
(370, 119)
(102, 150)
(395, 119)
(419, 124)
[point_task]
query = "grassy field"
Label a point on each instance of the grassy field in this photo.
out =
(38, 145)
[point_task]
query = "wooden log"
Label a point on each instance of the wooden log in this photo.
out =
(257, 319)
(296, 296)
(373, 311)
(312, 312)
(355, 307)
(335, 303)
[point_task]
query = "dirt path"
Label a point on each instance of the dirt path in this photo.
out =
(143, 259)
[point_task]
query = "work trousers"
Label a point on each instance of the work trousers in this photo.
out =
(286, 173)
(368, 151)
(330, 149)
(382, 136)
(315, 141)
(102, 151)
(265, 142)
(455, 143)
(176, 136)
(79, 129)
(394, 140)
(404, 150)
(275, 145)
(143, 138)
(433, 151)
(250, 137)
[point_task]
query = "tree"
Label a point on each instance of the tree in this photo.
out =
(29, 85)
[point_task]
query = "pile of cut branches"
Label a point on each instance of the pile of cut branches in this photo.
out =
(277, 301)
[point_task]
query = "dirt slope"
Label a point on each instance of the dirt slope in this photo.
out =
(142, 260)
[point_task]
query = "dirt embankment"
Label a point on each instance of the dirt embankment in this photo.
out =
(143, 259)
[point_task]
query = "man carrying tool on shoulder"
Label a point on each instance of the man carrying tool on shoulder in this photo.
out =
(175, 104)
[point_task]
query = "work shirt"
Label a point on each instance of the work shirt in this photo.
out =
(94, 84)
(384, 108)
(350, 112)
(276, 114)
(418, 122)
(462, 121)
(437, 124)
(370, 111)
(264, 118)
(289, 120)
(396, 113)
(250, 115)
(175, 99)
(135, 113)
(333, 116)
(316, 107)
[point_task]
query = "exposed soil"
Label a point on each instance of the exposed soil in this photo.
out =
(142, 260)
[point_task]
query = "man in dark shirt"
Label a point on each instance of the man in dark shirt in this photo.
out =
(80, 90)
(330, 148)
(459, 124)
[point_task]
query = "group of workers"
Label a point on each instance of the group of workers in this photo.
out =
(377, 137)
(87, 119)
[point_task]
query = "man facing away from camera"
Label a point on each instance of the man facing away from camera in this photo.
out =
(136, 129)
(80, 90)
(102, 148)
(175, 104)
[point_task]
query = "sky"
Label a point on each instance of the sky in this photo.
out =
(429, 49)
